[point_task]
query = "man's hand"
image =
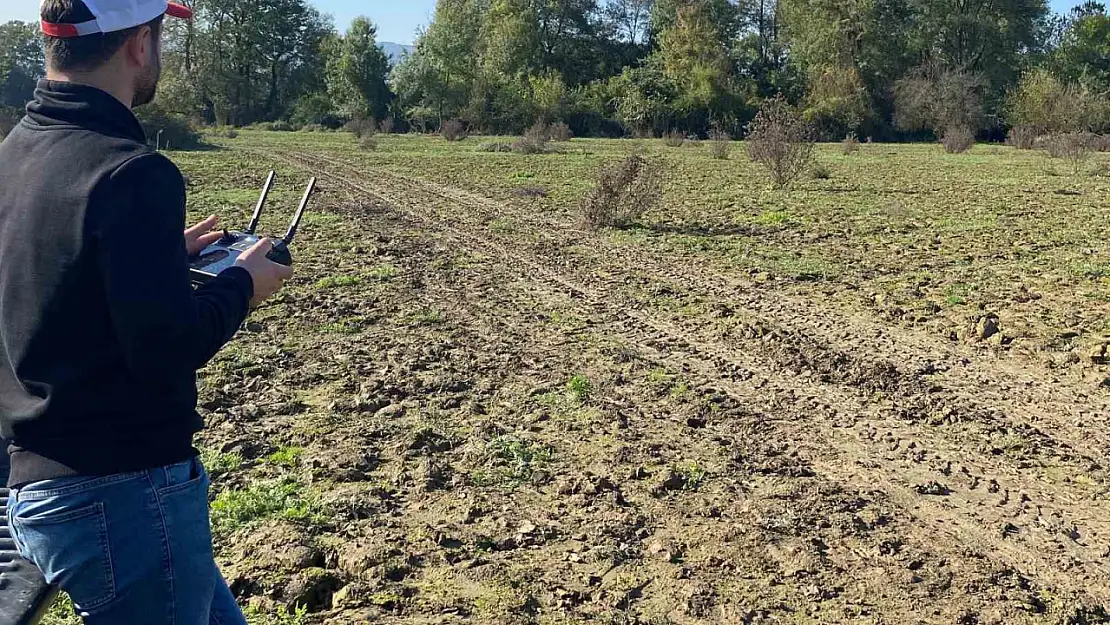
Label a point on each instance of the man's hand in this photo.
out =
(201, 236)
(268, 276)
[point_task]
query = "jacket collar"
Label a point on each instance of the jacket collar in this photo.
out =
(59, 103)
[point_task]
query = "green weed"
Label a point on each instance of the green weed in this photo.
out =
(215, 462)
(578, 388)
(693, 476)
(281, 499)
(285, 457)
(383, 273)
(332, 282)
(281, 616)
(513, 459)
(426, 317)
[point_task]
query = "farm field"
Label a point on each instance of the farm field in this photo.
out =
(876, 397)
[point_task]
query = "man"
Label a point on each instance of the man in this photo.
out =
(101, 333)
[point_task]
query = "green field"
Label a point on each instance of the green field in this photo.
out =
(878, 396)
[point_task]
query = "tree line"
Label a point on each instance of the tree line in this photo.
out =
(888, 69)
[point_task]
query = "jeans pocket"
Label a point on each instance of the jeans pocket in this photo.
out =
(70, 545)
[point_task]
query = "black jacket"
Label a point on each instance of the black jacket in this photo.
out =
(101, 333)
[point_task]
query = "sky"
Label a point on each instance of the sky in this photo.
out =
(397, 20)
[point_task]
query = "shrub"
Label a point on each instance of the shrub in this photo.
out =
(720, 144)
(933, 97)
(361, 127)
(674, 139)
(559, 131)
(1074, 147)
(1101, 143)
(495, 146)
(820, 171)
(368, 143)
(453, 130)
(1022, 137)
(850, 145)
(386, 127)
(176, 131)
(534, 140)
(624, 192)
(780, 140)
(958, 139)
(313, 128)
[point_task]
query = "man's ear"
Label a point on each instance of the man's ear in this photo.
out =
(137, 50)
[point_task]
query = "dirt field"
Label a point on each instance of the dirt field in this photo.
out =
(879, 397)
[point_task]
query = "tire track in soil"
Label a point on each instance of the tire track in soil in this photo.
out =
(810, 412)
(951, 390)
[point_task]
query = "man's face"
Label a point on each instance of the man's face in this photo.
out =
(146, 83)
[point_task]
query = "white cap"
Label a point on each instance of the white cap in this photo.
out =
(112, 15)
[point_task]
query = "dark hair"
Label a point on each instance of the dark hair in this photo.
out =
(89, 51)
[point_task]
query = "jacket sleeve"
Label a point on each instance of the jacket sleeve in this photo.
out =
(164, 327)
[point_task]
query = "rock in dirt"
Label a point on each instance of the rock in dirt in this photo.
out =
(669, 480)
(392, 410)
(932, 488)
(987, 326)
(1099, 354)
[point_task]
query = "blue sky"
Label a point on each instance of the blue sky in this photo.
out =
(397, 19)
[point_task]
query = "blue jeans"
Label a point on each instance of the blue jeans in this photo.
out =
(129, 549)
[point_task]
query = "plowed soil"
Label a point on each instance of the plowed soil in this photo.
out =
(878, 398)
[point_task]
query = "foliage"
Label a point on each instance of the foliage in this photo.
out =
(495, 146)
(21, 63)
(453, 130)
(1074, 147)
(720, 144)
(559, 131)
(534, 140)
(933, 97)
(850, 145)
(674, 139)
(361, 127)
(780, 140)
(1022, 137)
(356, 72)
(958, 139)
(1043, 103)
(168, 130)
(624, 192)
(9, 117)
(314, 109)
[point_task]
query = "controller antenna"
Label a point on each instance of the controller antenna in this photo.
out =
(261, 200)
(288, 238)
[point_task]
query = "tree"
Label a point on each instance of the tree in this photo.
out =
(631, 20)
(1084, 52)
(21, 62)
(356, 71)
(695, 61)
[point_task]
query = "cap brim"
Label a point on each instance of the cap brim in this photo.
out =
(179, 11)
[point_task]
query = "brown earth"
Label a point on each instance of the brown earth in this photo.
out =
(507, 430)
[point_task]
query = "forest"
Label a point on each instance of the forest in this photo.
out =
(879, 69)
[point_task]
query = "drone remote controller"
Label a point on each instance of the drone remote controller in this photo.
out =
(224, 252)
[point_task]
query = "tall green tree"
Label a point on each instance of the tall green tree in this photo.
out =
(21, 62)
(1084, 52)
(356, 72)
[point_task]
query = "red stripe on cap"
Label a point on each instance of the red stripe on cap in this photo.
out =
(173, 9)
(61, 31)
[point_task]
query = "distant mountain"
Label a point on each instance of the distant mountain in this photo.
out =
(395, 51)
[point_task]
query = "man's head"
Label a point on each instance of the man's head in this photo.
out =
(114, 44)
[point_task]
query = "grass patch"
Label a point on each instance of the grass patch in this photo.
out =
(285, 457)
(215, 462)
(426, 317)
(383, 273)
(579, 388)
(333, 282)
(281, 499)
(511, 459)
